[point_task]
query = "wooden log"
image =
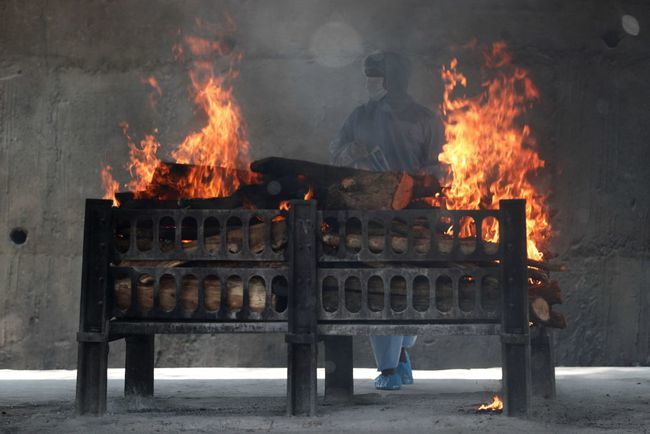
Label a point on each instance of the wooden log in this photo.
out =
(144, 292)
(212, 290)
(547, 266)
(189, 293)
(173, 181)
(234, 240)
(398, 243)
(167, 292)
(234, 294)
(347, 184)
(318, 174)
(539, 310)
(550, 292)
(541, 276)
(274, 180)
(371, 190)
(257, 237)
(256, 295)
(122, 291)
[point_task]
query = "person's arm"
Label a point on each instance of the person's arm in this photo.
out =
(434, 140)
(344, 150)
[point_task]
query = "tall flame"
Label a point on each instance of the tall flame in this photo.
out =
(217, 149)
(491, 155)
(222, 142)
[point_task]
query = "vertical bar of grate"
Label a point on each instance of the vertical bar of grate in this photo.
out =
(303, 302)
(515, 339)
(93, 328)
(339, 381)
(542, 363)
(139, 364)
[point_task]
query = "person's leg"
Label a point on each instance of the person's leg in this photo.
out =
(387, 350)
(407, 342)
(404, 368)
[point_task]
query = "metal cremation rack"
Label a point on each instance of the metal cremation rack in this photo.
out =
(312, 291)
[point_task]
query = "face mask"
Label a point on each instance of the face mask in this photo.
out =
(375, 86)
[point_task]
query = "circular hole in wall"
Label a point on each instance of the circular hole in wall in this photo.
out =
(18, 236)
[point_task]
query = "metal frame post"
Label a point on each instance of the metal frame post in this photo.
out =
(339, 378)
(302, 334)
(92, 354)
(139, 363)
(515, 338)
(542, 360)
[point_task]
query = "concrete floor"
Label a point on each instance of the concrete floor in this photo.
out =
(252, 400)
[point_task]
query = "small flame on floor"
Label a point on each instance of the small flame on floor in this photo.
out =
(496, 406)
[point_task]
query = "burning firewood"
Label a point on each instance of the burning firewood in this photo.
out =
(348, 188)
(372, 190)
(274, 180)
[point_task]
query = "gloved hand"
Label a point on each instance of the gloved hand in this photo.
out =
(352, 153)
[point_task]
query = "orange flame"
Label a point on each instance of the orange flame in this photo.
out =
(495, 405)
(111, 186)
(217, 149)
(142, 160)
(491, 156)
(157, 91)
(222, 141)
(285, 205)
(309, 194)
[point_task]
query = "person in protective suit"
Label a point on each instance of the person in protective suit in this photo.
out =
(390, 132)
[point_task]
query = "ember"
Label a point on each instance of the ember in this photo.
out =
(496, 406)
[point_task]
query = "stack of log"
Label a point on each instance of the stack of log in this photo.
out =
(189, 293)
(543, 294)
(275, 180)
(272, 181)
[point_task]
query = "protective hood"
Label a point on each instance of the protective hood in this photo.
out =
(397, 73)
(395, 69)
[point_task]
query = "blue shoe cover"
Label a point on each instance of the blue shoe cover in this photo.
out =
(405, 371)
(388, 382)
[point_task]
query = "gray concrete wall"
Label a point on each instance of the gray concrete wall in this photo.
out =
(70, 71)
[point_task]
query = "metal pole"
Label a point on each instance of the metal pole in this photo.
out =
(515, 339)
(542, 360)
(93, 329)
(302, 315)
(139, 364)
(339, 379)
